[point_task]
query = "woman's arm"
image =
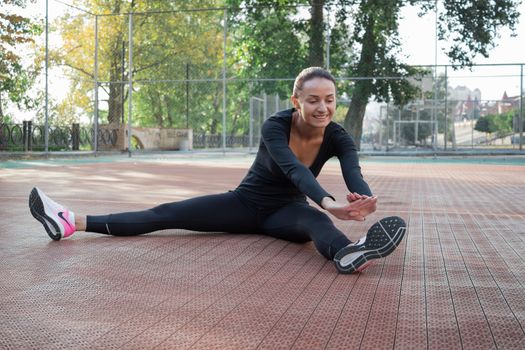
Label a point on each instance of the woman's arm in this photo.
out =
(346, 151)
(275, 138)
(353, 210)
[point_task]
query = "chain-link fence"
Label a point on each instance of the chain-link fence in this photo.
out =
(163, 81)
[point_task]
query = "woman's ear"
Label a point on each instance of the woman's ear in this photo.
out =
(295, 102)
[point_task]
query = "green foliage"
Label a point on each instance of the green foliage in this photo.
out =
(267, 42)
(15, 77)
(472, 26)
(501, 124)
(266, 39)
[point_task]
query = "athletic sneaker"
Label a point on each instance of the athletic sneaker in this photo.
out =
(58, 221)
(382, 238)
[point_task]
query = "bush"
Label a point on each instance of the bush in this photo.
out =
(501, 124)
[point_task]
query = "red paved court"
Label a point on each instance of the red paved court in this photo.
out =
(456, 281)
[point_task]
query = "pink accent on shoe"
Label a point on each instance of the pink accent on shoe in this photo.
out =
(364, 266)
(69, 228)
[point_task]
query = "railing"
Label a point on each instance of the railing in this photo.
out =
(29, 137)
(215, 141)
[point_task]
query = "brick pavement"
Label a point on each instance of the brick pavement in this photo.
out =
(456, 281)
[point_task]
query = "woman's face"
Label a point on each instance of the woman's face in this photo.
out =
(316, 102)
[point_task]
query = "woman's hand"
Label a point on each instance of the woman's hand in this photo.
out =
(365, 211)
(353, 210)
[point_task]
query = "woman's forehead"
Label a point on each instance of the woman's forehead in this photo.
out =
(318, 86)
(318, 83)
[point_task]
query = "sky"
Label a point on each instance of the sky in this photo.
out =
(418, 38)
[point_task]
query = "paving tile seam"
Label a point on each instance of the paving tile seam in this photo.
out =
(291, 304)
(478, 300)
(309, 304)
(195, 282)
(239, 282)
(498, 231)
(183, 253)
(481, 256)
(264, 282)
(174, 263)
(341, 311)
(405, 253)
(292, 270)
(371, 305)
(247, 278)
(57, 309)
(314, 310)
(443, 261)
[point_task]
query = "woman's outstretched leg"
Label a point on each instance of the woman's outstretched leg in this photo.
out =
(221, 212)
(300, 222)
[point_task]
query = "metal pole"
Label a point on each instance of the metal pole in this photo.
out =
(520, 123)
(224, 83)
(472, 130)
(251, 125)
(46, 126)
(265, 109)
(122, 79)
(434, 116)
(381, 127)
(130, 81)
(387, 129)
(187, 95)
(95, 77)
(446, 109)
(416, 136)
(328, 47)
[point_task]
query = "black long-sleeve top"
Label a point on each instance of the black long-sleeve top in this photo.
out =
(277, 177)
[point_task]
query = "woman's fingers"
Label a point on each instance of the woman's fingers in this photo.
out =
(351, 197)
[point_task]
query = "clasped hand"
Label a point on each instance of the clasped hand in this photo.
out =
(357, 208)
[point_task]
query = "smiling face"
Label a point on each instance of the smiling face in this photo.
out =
(316, 102)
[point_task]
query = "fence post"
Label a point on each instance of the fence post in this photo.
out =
(95, 77)
(224, 81)
(251, 124)
(46, 122)
(130, 79)
(520, 122)
(187, 95)
(30, 135)
(25, 136)
(75, 136)
(387, 129)
(446, 110)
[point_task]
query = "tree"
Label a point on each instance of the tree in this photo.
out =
(501, 124)
(165, 41)
(471, 25)
(15, 79)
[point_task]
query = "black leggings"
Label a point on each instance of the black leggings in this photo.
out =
(227, 212)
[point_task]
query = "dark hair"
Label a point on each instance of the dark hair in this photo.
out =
(309, 74)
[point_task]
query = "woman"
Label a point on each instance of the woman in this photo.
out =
(271, 199)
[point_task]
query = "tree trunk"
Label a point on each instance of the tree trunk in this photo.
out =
(316, 52)
(169, 110)
(354, 117)
(1, 110)
(363, 88)
(116, 88)
(116, 59)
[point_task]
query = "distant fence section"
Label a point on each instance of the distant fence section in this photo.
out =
(30, 137)
(165, 78)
